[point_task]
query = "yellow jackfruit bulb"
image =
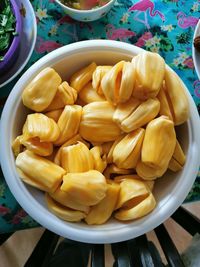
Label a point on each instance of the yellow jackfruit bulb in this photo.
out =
(127, 152)
(130, 191)
(41, 170)
(112, 171)
(68, 123)
(144, 113)
(54, 114)
(139, 210)
(101, 212)
(69, 142)
(118, 83)
(86, 188)
(97, 76)
(76, 158)
(28, 180)
(159, 143)
(124, 110)
(63, 212)
(39, 125)
(65, 95)
(40, 92)
(164, 103)
(64, 199)
(150, 71)
(97, 124)
(121, 178)
(177, 97)
(37, 147)
(17, 145)
(110, 153)
(88, 94)
(149, 173)
(178, 158)
(98, 158)
(80, 78)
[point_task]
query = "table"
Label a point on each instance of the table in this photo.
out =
(163, 26)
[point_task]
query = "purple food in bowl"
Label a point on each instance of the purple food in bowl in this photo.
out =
(13, 50)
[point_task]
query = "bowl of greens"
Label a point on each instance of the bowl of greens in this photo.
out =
(10, 28)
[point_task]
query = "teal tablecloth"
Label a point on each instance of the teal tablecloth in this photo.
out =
(163, 26)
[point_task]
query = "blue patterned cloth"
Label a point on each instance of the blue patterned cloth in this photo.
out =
(163, 26)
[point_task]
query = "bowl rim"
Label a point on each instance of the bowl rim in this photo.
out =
(194, 51)
(16, 41)
(80, 11)
(73, 231)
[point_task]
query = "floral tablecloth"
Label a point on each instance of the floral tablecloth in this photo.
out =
(163, 26)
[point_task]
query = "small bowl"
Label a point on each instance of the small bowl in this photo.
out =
(87, 15)
(170, 190)
(13, 51)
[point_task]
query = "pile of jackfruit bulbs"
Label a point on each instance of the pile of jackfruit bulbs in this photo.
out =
(97, 143)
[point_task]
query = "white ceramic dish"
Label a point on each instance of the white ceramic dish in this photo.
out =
(170, 191)
(27, 42)
(195, 53)
(87, 15)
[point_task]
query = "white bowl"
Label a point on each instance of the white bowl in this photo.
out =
(87, 15)
(195, 53)
(170, 191)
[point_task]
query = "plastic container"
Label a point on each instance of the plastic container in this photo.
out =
(170, 190)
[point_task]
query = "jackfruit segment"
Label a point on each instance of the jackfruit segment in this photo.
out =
(150, 71)
(64, 199)
(97, 76)
(39, 125)
(40, 92)
(130, 189)
(54, 114)
(97, 124)
(68, 123)
(43, 171)
(143, 114)
(89, 95)
(127, 152)
(80, 78)
(76, 158)
(101, 212)
(98, 158)
(142, 207)
(71, 141)
(63, 212)
(65, 95)
(159, 143)
(86, 188)
(118, 83)
(176, 96)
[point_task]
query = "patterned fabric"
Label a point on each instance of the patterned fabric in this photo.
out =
(163, 26)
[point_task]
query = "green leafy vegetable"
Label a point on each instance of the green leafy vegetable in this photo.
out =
(7, 27)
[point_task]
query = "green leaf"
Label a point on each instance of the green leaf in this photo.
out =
(7, 26)
(4, 41)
